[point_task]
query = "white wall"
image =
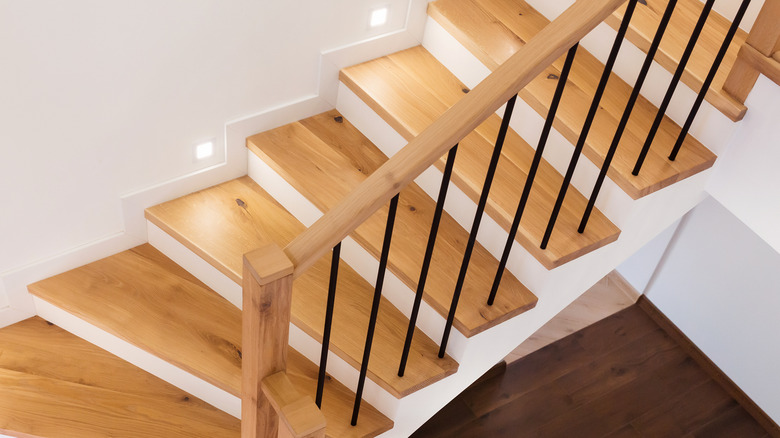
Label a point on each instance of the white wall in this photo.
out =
(720, 284)
(747, 177)
(102, 98)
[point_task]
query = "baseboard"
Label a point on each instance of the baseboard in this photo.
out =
(709, 367)
(15, 282)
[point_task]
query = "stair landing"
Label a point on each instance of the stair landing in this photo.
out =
(57, 385)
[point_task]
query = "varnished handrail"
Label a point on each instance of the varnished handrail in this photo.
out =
(457, 122)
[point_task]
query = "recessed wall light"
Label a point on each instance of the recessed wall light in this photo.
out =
(204, 150)
(378, 17)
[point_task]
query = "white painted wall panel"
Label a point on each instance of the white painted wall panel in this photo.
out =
(746, 179)
(720, 284)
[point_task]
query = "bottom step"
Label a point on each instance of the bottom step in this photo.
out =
(57, 385)
(147, 300)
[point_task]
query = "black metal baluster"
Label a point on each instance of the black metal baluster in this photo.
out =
(380, 279)
(710, 77)
(464, 266)
(334, 274)
(594, 106)
(445, 183)
(529, 181)
(640, 81)
(673, 85)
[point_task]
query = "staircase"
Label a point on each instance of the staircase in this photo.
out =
(172, 307)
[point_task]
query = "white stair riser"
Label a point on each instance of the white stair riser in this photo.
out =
(142, 359)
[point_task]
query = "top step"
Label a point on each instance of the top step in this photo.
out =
(644, 24)
(493, 30)
(224, 222)
(55, 384)
(143, 297)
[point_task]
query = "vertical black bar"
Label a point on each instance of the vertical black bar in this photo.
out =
(529, 181)
(380, 279)
(710, 77)
(640, 81)
(445, 183)
(464, 266)
(334, 274)
(673, 85)
(594, 106)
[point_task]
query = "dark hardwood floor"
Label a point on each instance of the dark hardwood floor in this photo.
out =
(621, 377)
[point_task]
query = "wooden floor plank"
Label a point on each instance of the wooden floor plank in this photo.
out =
(224, 222)
(57, 385)
(324, 157)
(644, 24)
(411, 89)
(687, 412)
(733, 423)
(518, 17)
(143, 297)
(581, 386)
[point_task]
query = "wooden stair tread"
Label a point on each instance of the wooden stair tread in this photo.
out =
(325, 159)
(643, 27)
(512, 22)
(228, 220)
(146, 299)
(55, 384)
(410, 89)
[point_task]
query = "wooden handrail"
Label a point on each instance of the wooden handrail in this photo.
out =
(759, 54)
(457, 122)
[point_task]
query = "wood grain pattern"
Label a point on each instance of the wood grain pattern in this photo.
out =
(767, 66)
(324, 157)
(414, 90)
(298, 413)
(441, 135)
(643, 27)
(213, 224)
(265, 322)
(143, 297)
(765, 34)
(620, 377)
(516, 15)
(87, 392)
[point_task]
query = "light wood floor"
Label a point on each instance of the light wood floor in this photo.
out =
(609, 296)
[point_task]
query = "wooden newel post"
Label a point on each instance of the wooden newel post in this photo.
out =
(267, 290)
